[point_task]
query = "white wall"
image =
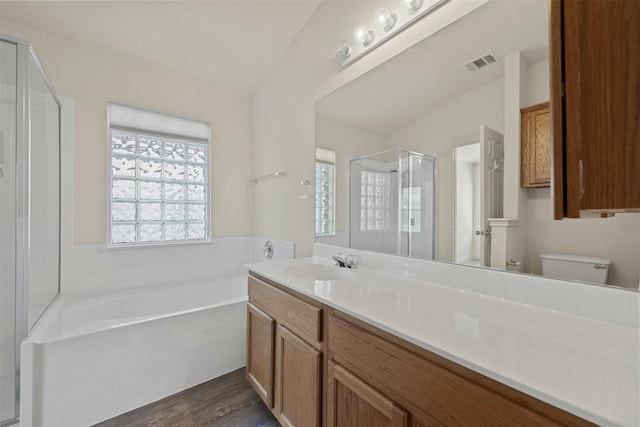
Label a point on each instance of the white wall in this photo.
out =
(538, 83)
(438, 132)
(616, 238)
(95, 76)
(283, 122)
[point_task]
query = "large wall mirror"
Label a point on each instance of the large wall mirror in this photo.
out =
(414, 157)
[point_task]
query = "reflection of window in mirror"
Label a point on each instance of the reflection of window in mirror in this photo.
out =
(374, 201)
(325, 190)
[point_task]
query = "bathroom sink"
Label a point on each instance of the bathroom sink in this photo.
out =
(317, 272)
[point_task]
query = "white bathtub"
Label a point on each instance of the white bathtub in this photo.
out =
(93, 359)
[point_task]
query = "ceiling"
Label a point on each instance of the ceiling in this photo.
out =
(432, 73)
(234, 43)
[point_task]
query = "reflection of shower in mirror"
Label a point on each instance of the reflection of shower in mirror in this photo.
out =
(391, 211)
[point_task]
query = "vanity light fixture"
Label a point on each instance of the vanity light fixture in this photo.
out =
(411, 5)
(363, 35)
(386, 24)
(385, 19)
(343, 50)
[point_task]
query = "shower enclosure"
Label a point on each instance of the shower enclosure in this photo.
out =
(392, 203)
(29, 208)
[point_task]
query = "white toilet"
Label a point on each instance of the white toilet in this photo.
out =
(575, 267)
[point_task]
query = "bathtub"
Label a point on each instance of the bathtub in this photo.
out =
(94, 358)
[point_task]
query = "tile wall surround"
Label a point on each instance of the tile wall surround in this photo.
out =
(282, 250)
(100, 270)
(604, 303)
(339, 238)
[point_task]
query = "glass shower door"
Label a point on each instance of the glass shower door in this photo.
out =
(8, 120)
(419, 200)
(44, 197)
(29, 208)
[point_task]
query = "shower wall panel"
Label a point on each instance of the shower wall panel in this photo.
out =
(8, 110)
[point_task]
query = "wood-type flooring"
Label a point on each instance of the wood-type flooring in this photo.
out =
(227, 401)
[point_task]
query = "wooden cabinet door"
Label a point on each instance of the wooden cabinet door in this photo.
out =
(536, 146)
(595, 101)
(260, 352)
(298, 381)
(353, 403)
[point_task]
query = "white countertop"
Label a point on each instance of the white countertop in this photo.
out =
(585, 366)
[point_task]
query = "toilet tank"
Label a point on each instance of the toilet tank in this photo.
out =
(575, 267)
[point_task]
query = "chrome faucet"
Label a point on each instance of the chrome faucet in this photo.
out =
(348, 261)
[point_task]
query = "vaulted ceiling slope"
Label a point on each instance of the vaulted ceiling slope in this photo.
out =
(234, 43)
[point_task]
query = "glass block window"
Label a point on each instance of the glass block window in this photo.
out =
(375, 191)
(325, 190)
(159, 188)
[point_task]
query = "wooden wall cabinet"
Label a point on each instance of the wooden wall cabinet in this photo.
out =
(535, 148)
(595, 105)
(284, 353)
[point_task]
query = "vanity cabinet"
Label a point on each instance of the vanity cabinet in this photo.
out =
(352, 402)
(260, 345)
(284, 352)
(535, 149)
(316, 366)
(595, 102)
(402, 384)
(298, 372)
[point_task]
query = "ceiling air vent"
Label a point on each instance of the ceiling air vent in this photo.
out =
(483, 61)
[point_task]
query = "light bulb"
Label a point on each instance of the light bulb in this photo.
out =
(385, 19)
(411, 5)
(362, 34)
(343, 50)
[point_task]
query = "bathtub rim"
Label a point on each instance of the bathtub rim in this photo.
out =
(40, 334)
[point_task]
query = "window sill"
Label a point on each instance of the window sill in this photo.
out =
(165, 245)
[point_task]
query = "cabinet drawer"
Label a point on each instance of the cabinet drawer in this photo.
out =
(298, 316)
(433, 392)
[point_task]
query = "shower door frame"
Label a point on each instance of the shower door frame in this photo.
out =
(434, 160)
(24, 51)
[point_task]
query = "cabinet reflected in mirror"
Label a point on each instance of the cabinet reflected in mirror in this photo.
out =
(427, 101)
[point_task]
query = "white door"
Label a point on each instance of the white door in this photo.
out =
(491, 179)
(467, 203)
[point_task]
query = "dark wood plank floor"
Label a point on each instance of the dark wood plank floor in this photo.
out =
(227, 401)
